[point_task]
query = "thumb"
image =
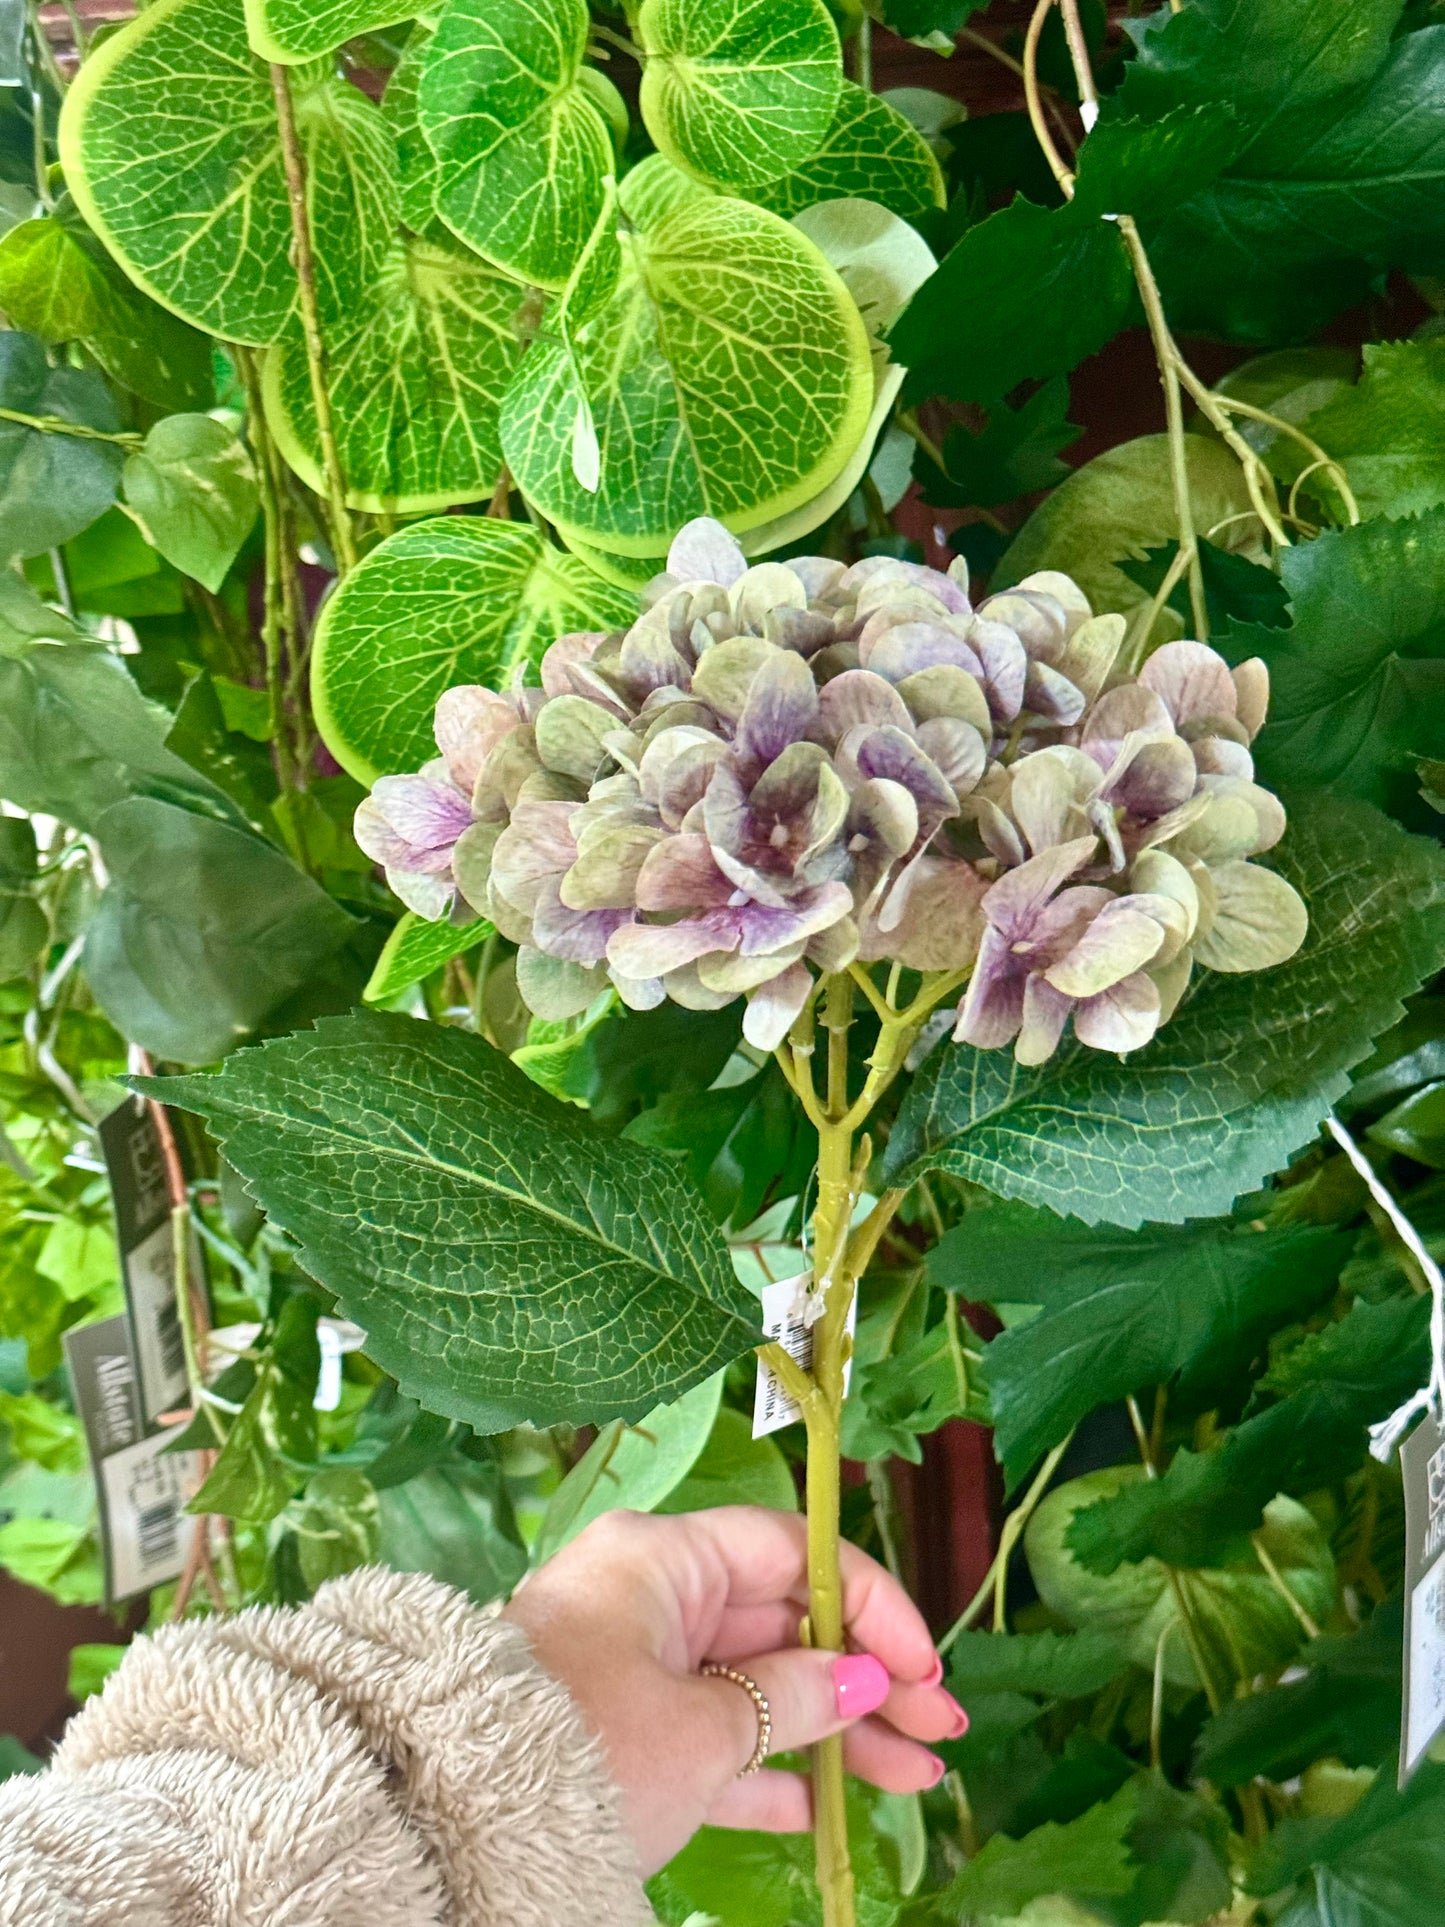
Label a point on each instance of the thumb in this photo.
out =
(810, 1695)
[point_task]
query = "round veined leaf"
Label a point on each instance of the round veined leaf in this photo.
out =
(522, 144)
(416, 165)
(871, 152)
(739, 92)
(728, 374)
(414, 390)
(632, 572)
(169, 142)
(292, 30)
(883, 262)
(459, 599)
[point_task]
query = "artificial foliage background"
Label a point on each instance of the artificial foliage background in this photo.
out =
(352, 357)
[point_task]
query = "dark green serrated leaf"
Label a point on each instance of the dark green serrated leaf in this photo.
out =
(1055, 1665)
(1326, 196)
(1088, 1856)
(1271, 58)
(519, 1265)
(1347, 1707)
(1235, 589)
(1337, 1383)
(1015, 453)
(1188, 1306)
(1031, 291)
(1358, 679)
(1389, 430)
(202, 931)
(1239, 1079)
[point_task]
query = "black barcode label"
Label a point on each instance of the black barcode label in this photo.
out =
(156, 1533)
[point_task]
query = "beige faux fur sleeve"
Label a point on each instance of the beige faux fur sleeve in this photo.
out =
(384, 1757)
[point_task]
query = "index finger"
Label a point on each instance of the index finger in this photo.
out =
(765, 1558)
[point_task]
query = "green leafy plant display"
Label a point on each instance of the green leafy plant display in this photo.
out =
(573, 715)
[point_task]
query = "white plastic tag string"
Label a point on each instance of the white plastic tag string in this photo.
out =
(1385, 1436)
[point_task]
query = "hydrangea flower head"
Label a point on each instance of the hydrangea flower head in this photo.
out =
(786, 767)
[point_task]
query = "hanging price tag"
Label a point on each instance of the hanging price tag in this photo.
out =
(140, 1488)
(1422, 1463)
(136, 1166)
(783, 1306)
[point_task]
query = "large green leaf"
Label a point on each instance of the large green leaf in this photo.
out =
(52, 485)
(1087, 1856)
(415, 383)
(1358, 680)
(1327, 194)
(454, 1521)
(1119, 506)
(57, 281)
(1234, 1084)
(1240, 1619)
(1188, 1305)
(1345, 1378)
(292, 30)
(1382, 1865)
(1269, 58)
(1014, 454)
(635, 1466)
(870, 152)
(171, 149)
(1030, 291)
(739, 92)
(192, 488)
(517, 1265)
(734, 1468)
(727, 374)
(513, 118)
(1389, 432)
(202, 931)
(461, 599)
(76, 735)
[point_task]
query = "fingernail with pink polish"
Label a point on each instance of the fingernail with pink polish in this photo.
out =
(935, 1671)
(860, 1683)
(960, 1718)
(940, 1767)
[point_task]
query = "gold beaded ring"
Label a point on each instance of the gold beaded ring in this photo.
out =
(712, 1670)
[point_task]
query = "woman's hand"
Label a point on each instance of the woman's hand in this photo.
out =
(626, 1614)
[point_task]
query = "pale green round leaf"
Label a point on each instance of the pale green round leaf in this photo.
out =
(869, 153)
(727, 375)
(1118, 506)
(523, 146)
(292, 30)
(883, 262)
(416, 165)
(739, 92)
(193, 490)
(170, 147)
(456, 600)
(414, 390)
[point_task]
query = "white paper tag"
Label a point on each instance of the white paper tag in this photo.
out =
(783, 1322)
(1422, 1464)
(148, 1532)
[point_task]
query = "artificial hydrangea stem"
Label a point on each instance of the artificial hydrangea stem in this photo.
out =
(339, 518)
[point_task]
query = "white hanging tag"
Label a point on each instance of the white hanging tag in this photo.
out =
(786, 1320)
